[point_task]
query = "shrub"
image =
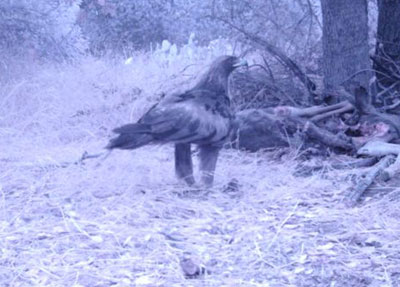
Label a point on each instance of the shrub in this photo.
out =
(35, 31)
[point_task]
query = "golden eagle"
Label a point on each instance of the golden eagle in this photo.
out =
(201, 115)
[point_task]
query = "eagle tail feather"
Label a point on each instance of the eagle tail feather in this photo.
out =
(131, 136)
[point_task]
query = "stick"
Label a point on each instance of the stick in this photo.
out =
(310, 111)
(379, 148)
(347, 108)
(364, 162)
(326, 137)
(365, 180)
(319, 134)
(304, 171)
(102, 155)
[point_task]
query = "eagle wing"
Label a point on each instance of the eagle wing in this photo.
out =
(192, 117)
(185, 117)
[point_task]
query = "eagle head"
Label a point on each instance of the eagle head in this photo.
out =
(216, 78)
(226, 64)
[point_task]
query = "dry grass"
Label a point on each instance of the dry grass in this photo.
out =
(126, 221)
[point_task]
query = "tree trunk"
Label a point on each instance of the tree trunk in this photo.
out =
(387, 54)
(345, 44)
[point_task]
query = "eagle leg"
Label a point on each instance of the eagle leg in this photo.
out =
(208, 161)
(183, 163)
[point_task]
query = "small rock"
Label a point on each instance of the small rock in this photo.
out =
(232, 188)
(190, 268)
(103, 193)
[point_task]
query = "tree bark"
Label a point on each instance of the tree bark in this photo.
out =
(387, 53)
(345, 44)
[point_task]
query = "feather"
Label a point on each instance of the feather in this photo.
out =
(132, 128)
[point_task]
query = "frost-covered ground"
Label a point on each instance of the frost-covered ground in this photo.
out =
(126, 220)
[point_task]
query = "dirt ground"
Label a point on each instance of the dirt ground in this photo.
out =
(127, 221)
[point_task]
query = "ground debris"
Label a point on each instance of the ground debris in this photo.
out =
(191, 269)
(366, 179)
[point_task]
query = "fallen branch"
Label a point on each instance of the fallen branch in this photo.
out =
(303, 170)
(379, 148)
(325, 136)
(391, 107)
(314, 111)
(314, 132)
(366, 179)
(344, 109)
(363, 162)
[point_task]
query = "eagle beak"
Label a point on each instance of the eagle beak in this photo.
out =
(241, 63)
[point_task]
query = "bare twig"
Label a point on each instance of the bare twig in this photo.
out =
(385, 90)
(273, 50)
(392, 106)
(281, 226)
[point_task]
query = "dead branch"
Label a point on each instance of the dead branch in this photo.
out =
(315, 111)
(363, 162)
(379, 148)
(327, 137)
(391, 107)
(360, 142)
(319, 134)
(387, 89)
(344, 109)
(366, 179)
(303, 170)
(278, 54)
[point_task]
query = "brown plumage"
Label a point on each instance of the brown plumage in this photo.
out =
(201, 115)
